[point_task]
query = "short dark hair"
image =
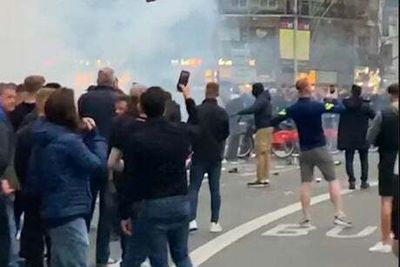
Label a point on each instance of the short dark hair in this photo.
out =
(33, 83)
(123, 98)
(258, 88)
(10, 86)
(393, 89)
(53, 85)
(356, 90)
(153, 102)
(60, 109)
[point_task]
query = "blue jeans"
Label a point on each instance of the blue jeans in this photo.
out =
(69, 244)
(167, 225)
(197, 172)
(136, 249)
(9, 249)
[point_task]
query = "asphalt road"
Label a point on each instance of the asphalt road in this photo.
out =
(257, 230)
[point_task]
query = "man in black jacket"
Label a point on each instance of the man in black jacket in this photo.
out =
(99, 103)
(155, 154)
(262, 110)
(8, 181)
(353, 126)
(384, 133)
(207, 154)
(33, 232)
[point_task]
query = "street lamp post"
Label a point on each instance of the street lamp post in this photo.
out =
(295, 28)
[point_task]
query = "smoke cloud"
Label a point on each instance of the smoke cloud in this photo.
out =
(60, 38)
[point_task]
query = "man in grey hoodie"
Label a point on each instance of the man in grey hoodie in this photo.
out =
(384, 133)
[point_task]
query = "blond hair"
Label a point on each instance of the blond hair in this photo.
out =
(41, 97)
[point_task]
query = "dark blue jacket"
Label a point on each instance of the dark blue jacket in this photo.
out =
(61, 165)
(262, 110)
(307, 114)
(99, 104)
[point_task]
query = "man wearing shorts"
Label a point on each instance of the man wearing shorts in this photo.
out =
(384, 133)
(307, 114)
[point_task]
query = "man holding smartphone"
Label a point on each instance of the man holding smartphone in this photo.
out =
(207, 157)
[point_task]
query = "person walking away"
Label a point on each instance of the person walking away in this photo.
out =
(384, 134)
(207, 155)
(307, 114)
(155, 202)
(99, 103)
(353, 127)
(9, 183)
(262, 110)
(64, 158)
(33, 234)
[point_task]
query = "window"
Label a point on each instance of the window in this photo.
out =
(270, 4)
(239, 3)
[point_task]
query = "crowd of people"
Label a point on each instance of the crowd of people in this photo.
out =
(58, 155)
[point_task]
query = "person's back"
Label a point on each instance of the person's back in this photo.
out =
(353, 123)
(155, 171)
(387, 139)
(214, 129)
(353, 127)
(99, 104)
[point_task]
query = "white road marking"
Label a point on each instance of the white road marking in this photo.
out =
(206, 251)
(289, 230)
(335, 232)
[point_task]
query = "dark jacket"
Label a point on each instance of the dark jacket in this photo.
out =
(214, 129)
(384, 129)
(62, 163)
(7, 149)
(99, 104)
(353, 124)
(20, 112)
(172, 111)
(23, 150)
(262, 110)
(155, 156)
(307, 114)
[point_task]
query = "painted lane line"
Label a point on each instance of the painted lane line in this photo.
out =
(208, 250)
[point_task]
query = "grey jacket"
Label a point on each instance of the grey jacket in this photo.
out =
(375, 127)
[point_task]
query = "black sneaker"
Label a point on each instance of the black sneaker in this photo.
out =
(258, 184)
(365, 185)
(233, 170)
(352, 186)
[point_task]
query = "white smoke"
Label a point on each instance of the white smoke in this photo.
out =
(59, 38)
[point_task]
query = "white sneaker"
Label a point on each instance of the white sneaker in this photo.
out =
(382, 248)
(193, 226)
(342, 221)
(215, 228)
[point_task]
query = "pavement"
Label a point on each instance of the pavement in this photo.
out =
(259, 230)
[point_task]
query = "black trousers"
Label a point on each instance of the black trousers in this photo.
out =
(349, 154)
(34, 237)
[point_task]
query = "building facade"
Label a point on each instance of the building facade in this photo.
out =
(334, 37)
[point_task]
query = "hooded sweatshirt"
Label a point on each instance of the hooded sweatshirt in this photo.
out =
(262, 110)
